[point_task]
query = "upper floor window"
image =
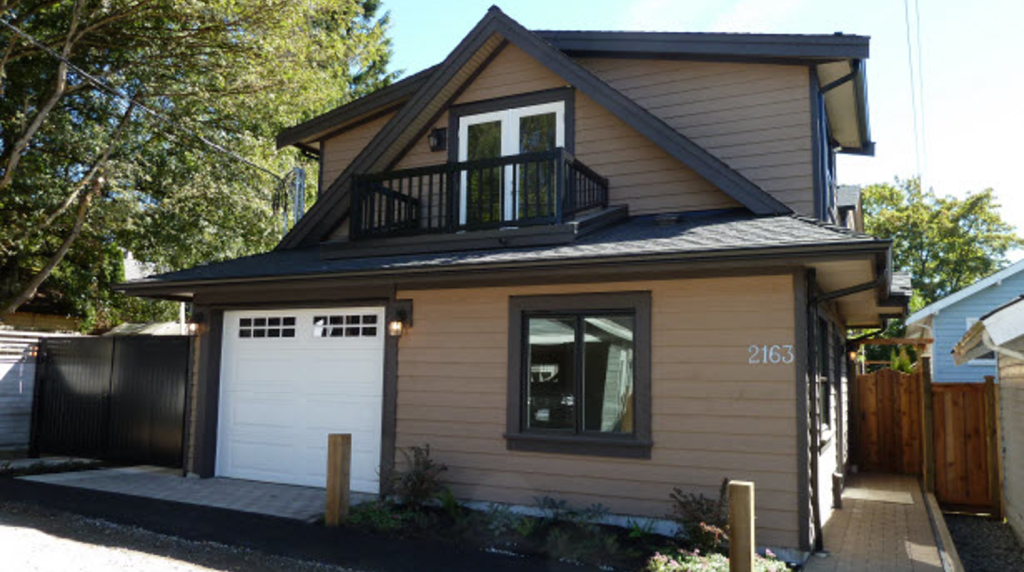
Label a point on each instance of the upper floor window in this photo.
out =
(505, 127)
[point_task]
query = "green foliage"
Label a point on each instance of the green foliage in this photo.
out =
(702, 521)
(683, 561)
(378, 516)
(900, 361)
(946, 243)
(420, 481)
(236, 72)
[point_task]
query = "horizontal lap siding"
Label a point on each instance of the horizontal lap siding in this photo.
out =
(714, 416)
(1011, 405)
(754, 117)
(640, 174)
(338, 151)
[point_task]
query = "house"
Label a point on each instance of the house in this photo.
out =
(588, 265)
(947, 320)
(1001, 332)
(850, 207)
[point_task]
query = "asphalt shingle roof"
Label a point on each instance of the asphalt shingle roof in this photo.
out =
(637, 236)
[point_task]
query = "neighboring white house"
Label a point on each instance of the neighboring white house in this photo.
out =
(1001, 332)
(947, 320)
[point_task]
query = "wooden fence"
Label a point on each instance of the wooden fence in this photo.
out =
(948, 433)
(888, 411)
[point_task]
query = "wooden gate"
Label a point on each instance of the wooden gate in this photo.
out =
(965, 432)
(888, 411)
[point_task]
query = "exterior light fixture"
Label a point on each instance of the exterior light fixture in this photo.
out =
(438, 139)
(192, 328)
(853, 355)
(399, 317)
(395, 328)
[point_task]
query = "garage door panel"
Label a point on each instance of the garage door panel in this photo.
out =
(280, 398)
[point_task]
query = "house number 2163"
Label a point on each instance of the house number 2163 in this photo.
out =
(770, 354)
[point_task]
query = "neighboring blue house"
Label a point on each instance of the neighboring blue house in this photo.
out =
(948, 319)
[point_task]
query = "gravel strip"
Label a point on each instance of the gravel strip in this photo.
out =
(35, 539)
(985, 545)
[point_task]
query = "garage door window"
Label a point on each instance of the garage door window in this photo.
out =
(267, 327)
(345, 326)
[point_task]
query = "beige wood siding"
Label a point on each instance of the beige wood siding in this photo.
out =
(338, 151)
(754, 117)
(1011, 405)
(640, 174)
(714, 415)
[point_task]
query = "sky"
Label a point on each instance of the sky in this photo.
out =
(970, 66)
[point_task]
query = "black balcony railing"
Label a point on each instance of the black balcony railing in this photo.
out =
(520, 190)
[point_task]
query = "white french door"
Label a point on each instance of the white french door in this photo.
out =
(501, 134)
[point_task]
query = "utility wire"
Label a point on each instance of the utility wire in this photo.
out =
(920, 87)
(913, 87)
(128, 99)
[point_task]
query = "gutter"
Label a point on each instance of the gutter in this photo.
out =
(988, 343)
(704, 257)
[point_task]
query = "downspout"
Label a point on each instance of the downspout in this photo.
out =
(987, 341)
(812, 379)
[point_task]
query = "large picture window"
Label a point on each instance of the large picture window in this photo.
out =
(579, 378)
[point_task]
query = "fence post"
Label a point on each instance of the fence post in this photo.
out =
(928, 425)
(741, 526)
(992, 440)
(339, 465)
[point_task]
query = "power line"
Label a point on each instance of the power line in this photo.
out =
(128, 99)
(920, 86)
(913, 87)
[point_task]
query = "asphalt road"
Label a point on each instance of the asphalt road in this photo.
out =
(37, 539)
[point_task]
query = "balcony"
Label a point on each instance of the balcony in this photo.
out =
(533, 189)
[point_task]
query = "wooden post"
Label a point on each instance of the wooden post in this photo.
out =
(928, 425)
(339, 468)
(741, 526)
(992, 440)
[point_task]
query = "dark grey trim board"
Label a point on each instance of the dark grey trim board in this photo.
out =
(545, 235)
(567, 95)
(210, 331)
(816, 143)
(520, 439)
(710, 45)
(800, 346)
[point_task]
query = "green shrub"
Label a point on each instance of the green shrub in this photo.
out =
(421, 479)
(695, 562)
(379, 516)
(703, 521)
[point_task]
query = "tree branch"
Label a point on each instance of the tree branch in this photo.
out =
(30, 289)
(60, 83)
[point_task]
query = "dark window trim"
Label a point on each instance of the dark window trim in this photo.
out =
(567, 95)
(637, 445)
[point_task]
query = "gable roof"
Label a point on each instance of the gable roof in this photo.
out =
(934, 307)
(381, 99)
(487, 36)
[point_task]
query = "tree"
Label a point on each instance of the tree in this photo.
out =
(945, 243)
(86, 176)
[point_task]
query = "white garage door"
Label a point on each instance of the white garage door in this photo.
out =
(291, 377)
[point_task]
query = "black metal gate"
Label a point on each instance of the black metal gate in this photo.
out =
(118, 398)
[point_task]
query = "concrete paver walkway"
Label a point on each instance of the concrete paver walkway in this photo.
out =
(882, 527)
(288, 501)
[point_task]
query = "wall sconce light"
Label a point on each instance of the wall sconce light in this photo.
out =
(438, 139)
(853, 354)
(399, 317)
(192, 328)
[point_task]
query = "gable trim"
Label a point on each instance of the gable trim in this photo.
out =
(334, 202)
(934, 307)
